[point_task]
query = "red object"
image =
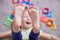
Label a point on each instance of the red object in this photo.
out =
(13, 13)
(44, 19)
(46, 11)
(15, 2)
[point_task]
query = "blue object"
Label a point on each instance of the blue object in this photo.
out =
(49, 15)
(11, 16)
(27, 3)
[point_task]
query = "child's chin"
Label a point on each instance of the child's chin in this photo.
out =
(28, 26)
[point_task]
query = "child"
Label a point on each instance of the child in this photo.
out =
(26, 25)
(26, 20)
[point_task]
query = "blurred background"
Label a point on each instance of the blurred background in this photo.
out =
(6, 7)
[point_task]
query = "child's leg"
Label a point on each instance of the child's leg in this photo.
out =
(34, 14)
(34, 36)
(16, 36)
(16, 33)
(46, 36)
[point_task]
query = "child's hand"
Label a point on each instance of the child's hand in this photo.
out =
(34, 14)
(17, 17)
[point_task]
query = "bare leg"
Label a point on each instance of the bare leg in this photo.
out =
(34, 14)
(16, 33)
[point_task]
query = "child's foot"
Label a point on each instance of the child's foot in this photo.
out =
(18, 14)
(34, 14)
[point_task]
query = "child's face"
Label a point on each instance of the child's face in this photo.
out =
(26, 20)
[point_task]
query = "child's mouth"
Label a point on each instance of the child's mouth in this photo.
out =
(28, 22)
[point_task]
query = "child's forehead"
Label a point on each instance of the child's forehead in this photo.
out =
(25, 14)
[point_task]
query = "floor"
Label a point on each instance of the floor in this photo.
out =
(6, 8)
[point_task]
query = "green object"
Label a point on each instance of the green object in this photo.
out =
(8, 21)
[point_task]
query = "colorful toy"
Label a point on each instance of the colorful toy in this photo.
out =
(50, 23)
(47, 18)
(49, 15)
(46, 11)
(44, 19)
(9, 20)
(27, 2)
(54, 27)
(12, 12)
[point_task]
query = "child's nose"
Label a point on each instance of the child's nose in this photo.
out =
(28, 18)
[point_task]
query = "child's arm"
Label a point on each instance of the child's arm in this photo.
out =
(5, 34)
(16, 33)
(46, 36)
(34, 14)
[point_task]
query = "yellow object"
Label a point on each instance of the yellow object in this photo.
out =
(54, 27)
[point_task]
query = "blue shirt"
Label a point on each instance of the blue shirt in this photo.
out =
(18, 36)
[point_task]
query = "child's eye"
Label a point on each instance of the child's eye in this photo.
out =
(25, 16)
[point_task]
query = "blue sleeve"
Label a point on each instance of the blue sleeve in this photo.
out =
(16, 36)
(34, 36)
